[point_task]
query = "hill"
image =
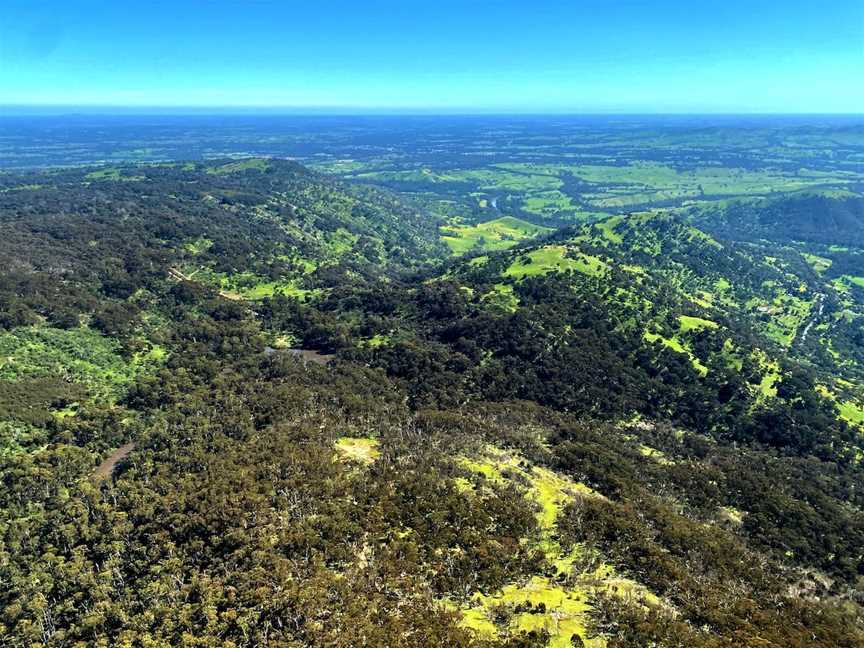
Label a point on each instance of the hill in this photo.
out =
(834, 218)
(323, 430)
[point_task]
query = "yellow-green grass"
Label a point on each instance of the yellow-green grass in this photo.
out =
(690, 323)
(376, 341)
(855, 281)
(498, 234)
(733, 515)
(780, 318)
(489, 179)
(197, 246)
(818, 263)
(246, 285)
(341, 242)
(849, 410)
(155, 354)
(546, 203)
(564, 612)
(676, 345)
(560, 605)
(702, 298)
(503, 297)
(357, 449)
(694, 234)
(112, 174)
(24, 187)
(672, 343)
(652, 181)
(655, 454)
(767, 387)
(732, 355)
(554, 258)
(607, 228)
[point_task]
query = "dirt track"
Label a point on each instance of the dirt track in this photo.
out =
(176, 274)
(107, 467)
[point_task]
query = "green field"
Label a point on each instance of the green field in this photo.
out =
(499, 234)
(239, 166)
(554, 258)
(689, 323)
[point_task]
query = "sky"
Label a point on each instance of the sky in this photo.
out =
(509, 56)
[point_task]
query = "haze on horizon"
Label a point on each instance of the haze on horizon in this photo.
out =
(599, 56)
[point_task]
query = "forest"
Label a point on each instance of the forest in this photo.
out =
(640, 428)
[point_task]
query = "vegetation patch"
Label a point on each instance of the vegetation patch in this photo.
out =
(560, 604)
(358, 449)
(79, 355)
(819, 263)
(503, 297)
(555, 258)
(239, 166)
(689, 323)
(499, 234)
(850, 410)
(198, 246)
(679, 347)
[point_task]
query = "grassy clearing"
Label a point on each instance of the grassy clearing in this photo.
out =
(340, 242)
(499, 234)
(655, 454)
(503, 297)
(554, 258)
(198, 246)
(689, 323)
(852, 412)
(855, 281)
(780, 317)
(679, 347)
(155, 354)
(849, 410)
(672, 343)
(111, 174)
(357, 449)
(376, 341)
(560, 605)
(489, 179)
(607, 229)
(239, 166)
(767, 387)
(644, 182)
(246, 285)
(818, 263)
(547, 203)
(24, 187)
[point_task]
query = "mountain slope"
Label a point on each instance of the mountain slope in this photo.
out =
(813, 218)
(593, 439)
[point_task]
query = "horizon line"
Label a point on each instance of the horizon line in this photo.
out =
(61, 110)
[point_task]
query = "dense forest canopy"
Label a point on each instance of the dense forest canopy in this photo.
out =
(340, 425)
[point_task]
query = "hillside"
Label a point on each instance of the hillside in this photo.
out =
(835, 218)
(333, 432)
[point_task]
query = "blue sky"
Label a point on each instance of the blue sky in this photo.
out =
(444, 55)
